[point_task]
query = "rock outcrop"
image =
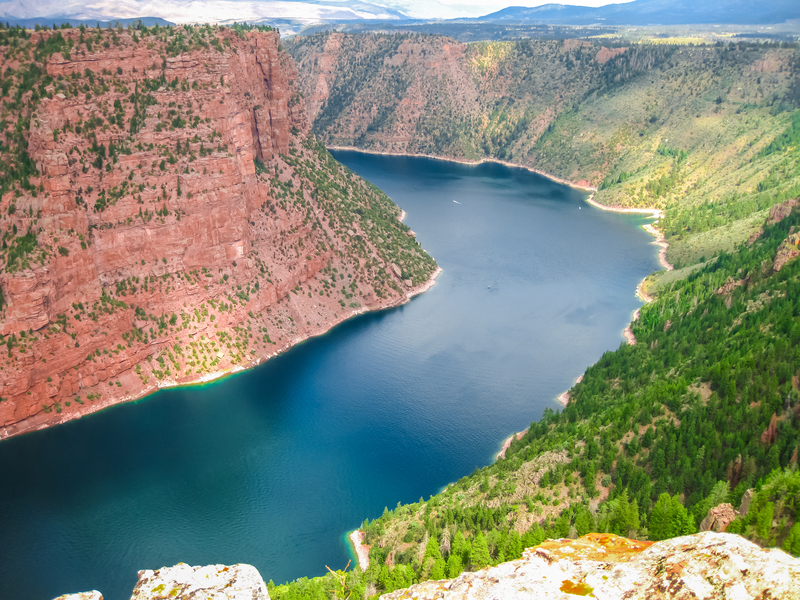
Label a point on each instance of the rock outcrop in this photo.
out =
(718, 518)
(711, 566)
(93, 595)
(787, 251)
(780, 211)
(747, 499)
(166, 217)
(214, 582)
(705, 565)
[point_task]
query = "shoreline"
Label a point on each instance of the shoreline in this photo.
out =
(563, 399)
(356, 539)
(9, 431)
(628, 332)
(507, 443)
(655, 213)
(474, 163)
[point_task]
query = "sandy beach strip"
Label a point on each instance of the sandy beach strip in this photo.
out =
(653, 212)
(642, 294)
(507, 443)
(628, 333)
(357, 538)
(563, 399)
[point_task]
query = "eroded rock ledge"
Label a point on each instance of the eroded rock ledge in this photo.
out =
(708, 565)
(705, 565)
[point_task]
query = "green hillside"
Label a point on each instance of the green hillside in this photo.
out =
(706, 132)
(705, 406)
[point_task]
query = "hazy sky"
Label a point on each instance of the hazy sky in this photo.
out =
(470, 8)
(494, 5)
(181, 11)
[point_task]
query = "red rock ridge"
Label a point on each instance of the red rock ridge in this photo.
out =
(162, 257)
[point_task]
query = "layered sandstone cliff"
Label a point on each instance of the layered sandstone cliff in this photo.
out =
(166, 217)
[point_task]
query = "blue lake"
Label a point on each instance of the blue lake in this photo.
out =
(272, 466)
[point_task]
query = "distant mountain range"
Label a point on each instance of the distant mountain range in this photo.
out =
(655, 12)
(43, 12)
(33, 22)
(293, 15)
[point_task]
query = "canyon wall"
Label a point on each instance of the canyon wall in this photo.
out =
(167, 217)
(678, 127)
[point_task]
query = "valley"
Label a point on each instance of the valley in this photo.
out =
(685, 129)
(170, 214)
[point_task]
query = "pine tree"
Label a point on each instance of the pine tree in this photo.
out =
(669, 519)
(459, 544)
(792, 543)
(480, 556)
(432, 549)
(444, 545)
(584, 522)
(764, 521)
(438, 570)
(454, 565)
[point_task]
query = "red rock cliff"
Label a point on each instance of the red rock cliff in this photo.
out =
(180, 221)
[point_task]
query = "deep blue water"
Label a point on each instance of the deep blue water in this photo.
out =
(272, 466)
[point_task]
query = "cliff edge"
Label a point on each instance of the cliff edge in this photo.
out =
(704, 565)
(167, 217)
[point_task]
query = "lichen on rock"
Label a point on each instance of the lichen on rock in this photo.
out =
(707, 565)
(212, 582)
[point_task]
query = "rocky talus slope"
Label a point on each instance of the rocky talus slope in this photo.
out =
(708, 565)
(166, 217)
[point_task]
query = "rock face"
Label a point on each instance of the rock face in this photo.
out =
(214, 582)
(93, 595)
(706, 565)
(787, 251)
(747, 499)
(166, 217)
(718, 518)
(780, 211)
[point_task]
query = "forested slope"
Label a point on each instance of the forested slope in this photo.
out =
(702, 408)
(693, 130)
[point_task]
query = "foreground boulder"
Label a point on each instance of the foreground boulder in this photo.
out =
(213, 582)
(604, 566)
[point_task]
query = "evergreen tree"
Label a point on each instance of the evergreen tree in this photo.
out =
(620, 516)
(454, 565)
(584, 521)
(432, 549)
(792, 543)
(669, 518)
(480, 556)
(438, 570)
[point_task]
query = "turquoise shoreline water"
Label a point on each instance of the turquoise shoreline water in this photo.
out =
(270, 466)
